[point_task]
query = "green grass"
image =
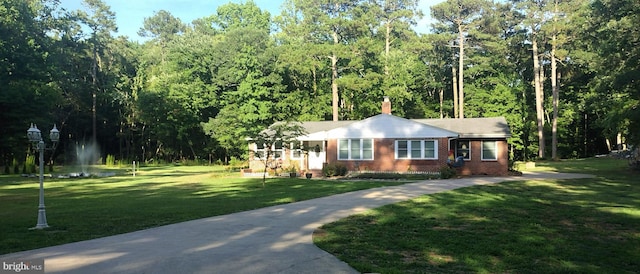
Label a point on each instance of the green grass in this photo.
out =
(563, 226)
(81, 209)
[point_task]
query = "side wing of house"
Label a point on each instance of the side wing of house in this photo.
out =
(482, 143)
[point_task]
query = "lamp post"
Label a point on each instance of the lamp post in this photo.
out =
(36, 138)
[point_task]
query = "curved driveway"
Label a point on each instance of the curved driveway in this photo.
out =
(269, 240)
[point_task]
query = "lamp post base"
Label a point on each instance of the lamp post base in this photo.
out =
(42, 220)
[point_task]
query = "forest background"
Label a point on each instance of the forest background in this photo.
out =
(563, 73)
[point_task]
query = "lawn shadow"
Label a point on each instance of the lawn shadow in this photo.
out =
(579, 226)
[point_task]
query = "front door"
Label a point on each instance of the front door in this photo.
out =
(316, 154)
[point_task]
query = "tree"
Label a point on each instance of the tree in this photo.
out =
(162, 26)
(238, 16)
(459, 16)
(281, 132)
(535, 19)
(392, 72)
(101, 22)
(394, 17)
(562, 14)
(613, 34)
(28, 90)
(245, 78)
(329, 25)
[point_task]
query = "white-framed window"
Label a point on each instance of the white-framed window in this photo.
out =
(355, 149)
(296, 150)
(490, 150)
(276, 151)
(463, 148)
(260, 151)
(417, 149)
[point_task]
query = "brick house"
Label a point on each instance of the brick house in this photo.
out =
(389, 143)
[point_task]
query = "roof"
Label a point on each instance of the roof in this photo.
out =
(493, 127)
(390, 126)
(318, 126)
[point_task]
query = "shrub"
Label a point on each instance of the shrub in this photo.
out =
(394, 176)
(30, 164)
(111, 160)
(512, 165)
(236, 163)
(447, 172)
(334, 170)
(16, 166)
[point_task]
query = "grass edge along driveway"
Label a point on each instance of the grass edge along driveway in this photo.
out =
(551, 226)
(89, 208)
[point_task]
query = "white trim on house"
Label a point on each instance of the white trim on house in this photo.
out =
(350, 149)
(410, 148)
(495, 150)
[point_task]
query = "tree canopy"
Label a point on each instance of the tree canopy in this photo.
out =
(197, 90)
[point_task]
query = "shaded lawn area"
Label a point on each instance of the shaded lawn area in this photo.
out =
(87, 208)
(563, 226)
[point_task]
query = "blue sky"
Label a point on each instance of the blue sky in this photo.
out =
(131, 13)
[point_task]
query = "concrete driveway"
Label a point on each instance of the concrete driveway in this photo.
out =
(269, 240)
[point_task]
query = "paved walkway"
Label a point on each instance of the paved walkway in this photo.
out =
(269, 240)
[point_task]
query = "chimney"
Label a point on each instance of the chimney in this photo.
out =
(386, 105)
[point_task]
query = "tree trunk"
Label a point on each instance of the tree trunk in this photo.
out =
(539, 97)
(94, 82)
(555, 93)
(315, 81)
(387, 47)
(461, 71)
(334, 86)
(334, 79)
(441, 92)
(454, 82)
(554, 88)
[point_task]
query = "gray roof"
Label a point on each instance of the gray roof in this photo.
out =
(318, 126)
(494, 127)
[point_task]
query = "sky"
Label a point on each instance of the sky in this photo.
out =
(130, 14)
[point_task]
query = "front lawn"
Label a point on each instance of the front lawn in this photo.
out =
(87, 208)
(563, 226)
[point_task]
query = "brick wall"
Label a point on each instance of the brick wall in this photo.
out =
(384, 159)
(477, 166)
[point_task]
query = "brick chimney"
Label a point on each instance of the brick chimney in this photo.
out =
(386, 105)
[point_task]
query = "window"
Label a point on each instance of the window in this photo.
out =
(402, 148)
(489, 150)
(276, 151)
(430, 151)
(343, 149)
(355, 149)
(296, 150)
(260, 150)
(416, 149)
(463, 149)
(367, 149)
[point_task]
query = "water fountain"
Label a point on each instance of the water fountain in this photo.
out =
(86, 155)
